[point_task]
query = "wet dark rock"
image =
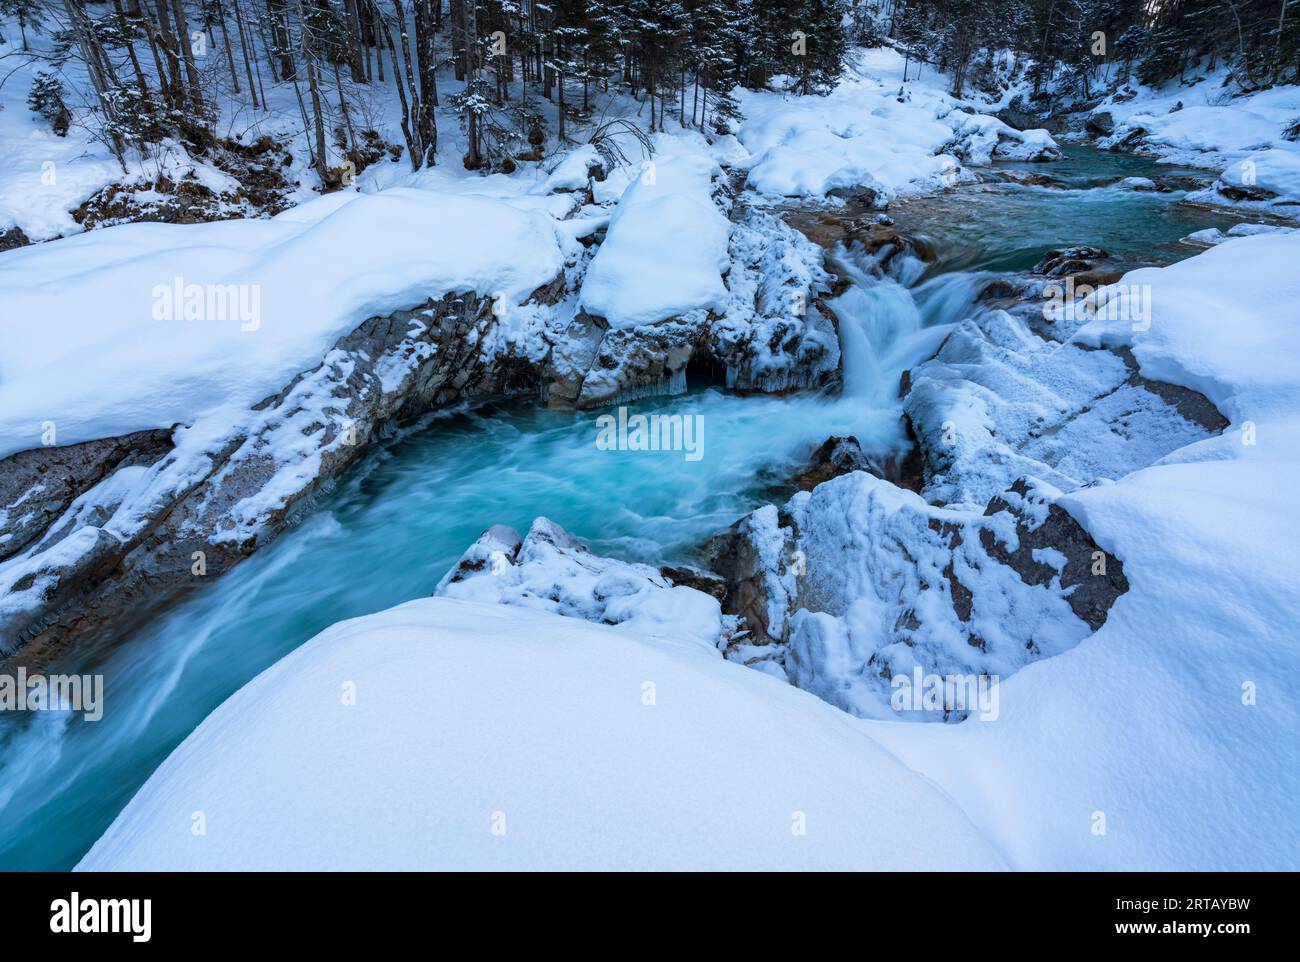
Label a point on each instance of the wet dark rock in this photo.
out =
(1100, 124)
(1096, 579)
(1184, 182)
(737, 556)
(1064, 261)
(1239, 193)
(836, 456)
(13, 237)
(865, 196)
(1027, 179)
(1097, 278)
(697, 578)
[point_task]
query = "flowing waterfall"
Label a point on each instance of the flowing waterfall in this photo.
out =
(887, 325)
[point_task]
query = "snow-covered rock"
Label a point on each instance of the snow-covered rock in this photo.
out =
(1002, 400)
(860, 581)
(1243, 135)
(665, 250)
(1266, 182)
(164, 324)
(448, 735)
(1212, 235)
(550, 570)
(1168, 739)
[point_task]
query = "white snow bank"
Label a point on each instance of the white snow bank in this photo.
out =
(1211, 236)
(85, 348)
(492, 737)
(1267, 181)
(1169, 739)
(1205, 126)
(866, 133)
(1274, 170)
(666, 247)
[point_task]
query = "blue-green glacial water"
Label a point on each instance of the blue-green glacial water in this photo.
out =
(394, 525)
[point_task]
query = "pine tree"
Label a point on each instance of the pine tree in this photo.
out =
(46, 99)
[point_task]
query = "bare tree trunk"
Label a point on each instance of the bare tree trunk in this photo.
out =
(280, 36)
(94, 68)
(122, 24)
(230, 55)
(343, 108)
(243, 49)
(353, 19)
(458, 36)
(167, 40)
(187, 55)
(313, 88)
(413, 148)
(474, 159)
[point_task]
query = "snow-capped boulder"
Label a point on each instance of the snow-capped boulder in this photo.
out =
(859, 581)
(1266, 182)
(1011, 395)
(768, 332)
(550, 570)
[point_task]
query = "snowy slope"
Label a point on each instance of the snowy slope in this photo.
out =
(873, 130)
(307, 277)
(1243, 136)
(470, 718)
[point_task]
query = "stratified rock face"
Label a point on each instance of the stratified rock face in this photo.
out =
(149, 517)
(36, 487)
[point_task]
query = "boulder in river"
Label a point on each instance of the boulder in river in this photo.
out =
(1100, 123)
(1064, 261)
(1028, 179)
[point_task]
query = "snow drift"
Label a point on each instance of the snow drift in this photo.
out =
(493, 737)
(124, 360)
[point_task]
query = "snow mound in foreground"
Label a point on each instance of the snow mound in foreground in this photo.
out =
(146, 325)
(471, 717)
